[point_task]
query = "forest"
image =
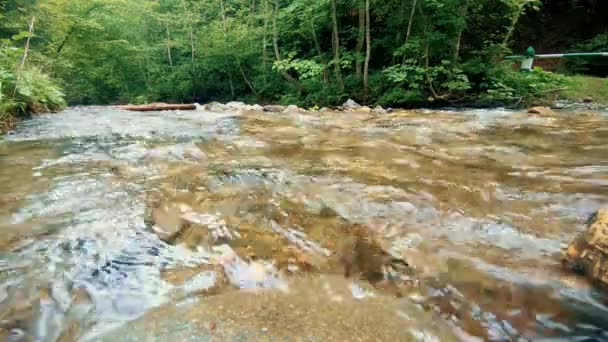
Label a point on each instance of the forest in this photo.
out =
(312, 53)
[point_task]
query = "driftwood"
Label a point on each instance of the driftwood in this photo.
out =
(151, 107)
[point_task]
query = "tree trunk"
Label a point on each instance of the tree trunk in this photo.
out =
(277, 52)
(368, 51)
(318, 48)
(265, 42)
(65, 40)
(360, 38)
(255, 93)
(169, 45)
(514, 19)
(463, 14)
(192, 49)
(410, 23)
(224, 29)
(157, 107)
(336, 45)
(25, 53)
(27, 42)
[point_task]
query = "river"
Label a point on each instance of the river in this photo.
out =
(477, 203)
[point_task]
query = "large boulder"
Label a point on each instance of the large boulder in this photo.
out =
(588, 253)
(542, 111)
(350, 104)
(274, 108)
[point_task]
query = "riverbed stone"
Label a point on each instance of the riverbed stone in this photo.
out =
(274, 108)
(542, 111)
(351, 104)
(255, 107)
(379, 110)
(293, 109)
(215, 107)
(588, 99)
(236, 105)
(588, 253)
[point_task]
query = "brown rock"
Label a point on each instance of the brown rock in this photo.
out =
(588, 99)
(167, 222)
(274, 108)
(542, 111)
(588, 253)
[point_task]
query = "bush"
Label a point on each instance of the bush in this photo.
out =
(31, 92)
(597, 66)
(505, 85)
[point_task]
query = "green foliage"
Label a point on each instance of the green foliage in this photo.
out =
(138, 51)
(24, 88)
(503, 84)
(595, 65)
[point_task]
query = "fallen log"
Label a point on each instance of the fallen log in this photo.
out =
(152, 107)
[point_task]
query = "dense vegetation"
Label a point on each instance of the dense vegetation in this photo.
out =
(308, 52)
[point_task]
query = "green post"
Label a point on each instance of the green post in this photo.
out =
(528, 61)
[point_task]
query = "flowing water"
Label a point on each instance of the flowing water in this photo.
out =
(233, 226)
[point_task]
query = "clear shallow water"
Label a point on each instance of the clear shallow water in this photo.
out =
(479, 202)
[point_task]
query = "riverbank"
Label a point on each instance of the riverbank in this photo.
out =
(577, 92)
(581, 88)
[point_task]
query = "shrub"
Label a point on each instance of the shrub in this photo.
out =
(503, 84)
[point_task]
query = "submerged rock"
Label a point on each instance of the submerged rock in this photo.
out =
(588, 253)
(274, 108)
(167, 222)
(351, 104)
(542, 111)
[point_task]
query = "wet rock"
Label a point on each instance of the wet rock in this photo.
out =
(293, 109)
(379, 110)
(274, 108)
(542, 111)
(167, 222)
(324, 110)
(588, 253)
(367, 254)
(236, 105)
(255, 107)
(588, 99)
(390, 110)
(204, 230)
(351, 104)
(253, 276)
(215, 107)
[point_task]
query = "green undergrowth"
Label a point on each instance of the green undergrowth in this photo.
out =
(581, 87)
(30, 92)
